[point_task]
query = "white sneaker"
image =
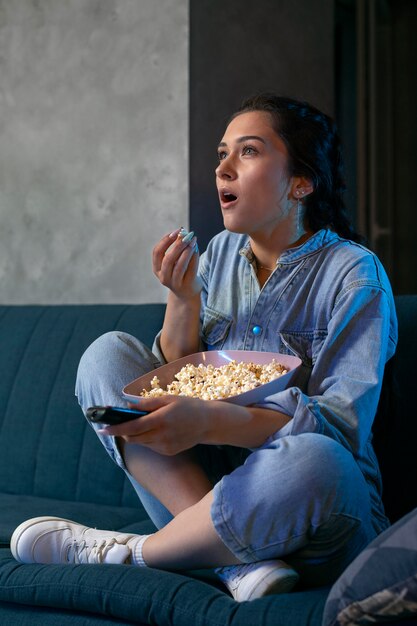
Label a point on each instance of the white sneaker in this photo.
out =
(250, 581)
(56, 540)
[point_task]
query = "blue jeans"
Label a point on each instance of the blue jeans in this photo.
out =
(300, 497)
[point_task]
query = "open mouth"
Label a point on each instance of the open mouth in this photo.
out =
(227, 197)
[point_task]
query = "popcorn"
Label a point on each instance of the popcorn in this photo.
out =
(215, 383)
(185, 235)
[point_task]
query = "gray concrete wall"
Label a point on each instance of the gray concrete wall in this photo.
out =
(93, 146)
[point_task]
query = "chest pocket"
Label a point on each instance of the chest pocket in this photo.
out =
(304, 344)
(215, 328)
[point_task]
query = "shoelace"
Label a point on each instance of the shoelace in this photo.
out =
(234, 573)
(81, 552)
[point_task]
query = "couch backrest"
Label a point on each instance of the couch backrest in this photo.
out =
(46, 447)
(395, 427)
(48, 450)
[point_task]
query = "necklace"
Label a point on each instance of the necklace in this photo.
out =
(262, 267)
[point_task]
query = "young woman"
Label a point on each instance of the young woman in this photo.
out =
(294, 477)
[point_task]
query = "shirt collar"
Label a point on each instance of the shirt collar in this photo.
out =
(319, 240)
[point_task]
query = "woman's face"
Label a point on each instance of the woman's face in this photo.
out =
(255, 190)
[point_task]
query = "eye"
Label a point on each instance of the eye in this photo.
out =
(249, 150)
(221, 155)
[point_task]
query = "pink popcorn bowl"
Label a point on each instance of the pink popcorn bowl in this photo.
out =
(166, 373)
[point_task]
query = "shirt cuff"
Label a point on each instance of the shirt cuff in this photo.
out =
(293, 402)
(156, 349)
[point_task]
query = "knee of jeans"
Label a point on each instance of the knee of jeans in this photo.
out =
(330, 469)
(103, 349)
(100, 353)
(314, 465)
(99, 349)
(106, 345)
(319, 451)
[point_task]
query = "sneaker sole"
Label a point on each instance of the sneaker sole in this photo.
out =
(15, 539)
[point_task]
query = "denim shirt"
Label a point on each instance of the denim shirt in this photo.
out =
(330, 303)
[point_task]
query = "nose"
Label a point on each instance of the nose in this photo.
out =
(225, 170)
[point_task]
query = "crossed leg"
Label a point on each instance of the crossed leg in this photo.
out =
(189, 540)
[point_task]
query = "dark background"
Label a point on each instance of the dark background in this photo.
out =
(355, 60)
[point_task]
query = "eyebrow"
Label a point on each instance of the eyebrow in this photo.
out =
(223, 144)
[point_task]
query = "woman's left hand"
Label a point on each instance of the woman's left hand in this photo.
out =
(173, 424)
(178, 423)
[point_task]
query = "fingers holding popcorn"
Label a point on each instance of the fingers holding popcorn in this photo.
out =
(175, 262)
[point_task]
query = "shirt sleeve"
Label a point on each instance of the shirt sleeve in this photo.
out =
(157, 350)
(341, 395)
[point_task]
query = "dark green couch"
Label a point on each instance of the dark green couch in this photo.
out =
(51, 463)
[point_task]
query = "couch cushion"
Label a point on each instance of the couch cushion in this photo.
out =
(149, 596)
(381, 583)
(21, 615)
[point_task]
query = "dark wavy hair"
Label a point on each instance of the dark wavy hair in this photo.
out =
(314, 150)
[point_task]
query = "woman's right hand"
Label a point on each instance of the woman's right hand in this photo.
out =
(175, 264)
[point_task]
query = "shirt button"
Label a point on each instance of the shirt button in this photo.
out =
(257, 330)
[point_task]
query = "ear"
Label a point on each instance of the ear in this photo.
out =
(301, 187)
